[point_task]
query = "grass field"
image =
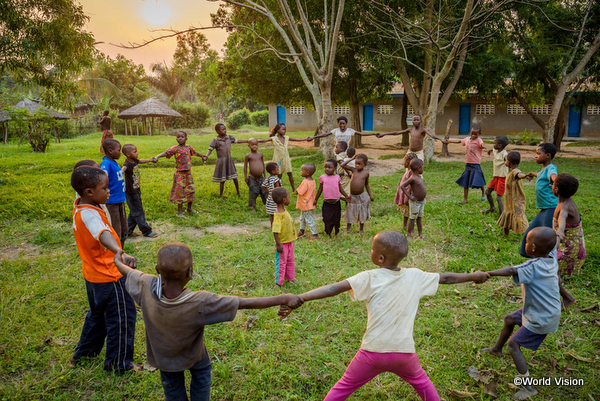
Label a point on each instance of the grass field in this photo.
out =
(43, 301)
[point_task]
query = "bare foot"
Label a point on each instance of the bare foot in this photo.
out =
(313, 237)
(294, 281)
(566, 302)
(492, 351)
(488, 211)
(191, 211)
(361, 232)
(179, 214)
(72, 363)
(348, 230)
(408, 237)
(422, 237)
(525, 393)
(253, 210)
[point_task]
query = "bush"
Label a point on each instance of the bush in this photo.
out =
(525, 138)
(238, 118)
(195, 115)
(260, 118)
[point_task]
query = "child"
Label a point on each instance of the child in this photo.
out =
(417, 134)
(545, 200)
(174, 326)
(331, 187)
(130, 169)
(540, 314)
(342, 133)
(569, 229)
(91, 163)
(112, 311)
(306, 199)
(224, 168)
(268, 185)
(472, 177)
(280, 151)
(416, 196)
(254, 160)
(341, 155)
(116, 184)
(500, 172)
(401, 199)
(391, 295)
(513, 217)
(359, 208)
(105, 122)
(284, 233)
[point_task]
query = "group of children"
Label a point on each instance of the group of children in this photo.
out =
(175, 330)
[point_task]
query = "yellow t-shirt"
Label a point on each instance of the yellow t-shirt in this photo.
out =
(284, 226)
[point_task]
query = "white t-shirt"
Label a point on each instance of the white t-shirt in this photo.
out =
(500, 169)
(392, 299)
(345, 136)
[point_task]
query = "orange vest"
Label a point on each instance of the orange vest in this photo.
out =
(98, 261)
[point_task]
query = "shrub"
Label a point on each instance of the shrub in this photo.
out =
(525, 138)
(238, 118)
(260, 118)
(195, 115)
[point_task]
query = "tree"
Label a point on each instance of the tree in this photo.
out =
(429, 42)
(167, 79)
(43, 42)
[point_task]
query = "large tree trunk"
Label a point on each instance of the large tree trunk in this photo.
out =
(355, 113)
(560, 128)
(325, 121)
(403, 124)
(548, 135)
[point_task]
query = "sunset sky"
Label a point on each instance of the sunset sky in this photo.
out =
(124, 21)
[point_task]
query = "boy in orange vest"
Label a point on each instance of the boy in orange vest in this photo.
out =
(112, 311)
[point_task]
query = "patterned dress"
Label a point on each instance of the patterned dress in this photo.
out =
(225, 168)
(183, 190)
(513, 216)
(269, 183)
(281, 155)
(401, 199)
(571, 251)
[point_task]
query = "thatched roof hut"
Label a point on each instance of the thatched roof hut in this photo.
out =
(4, 117)
(32, 106)
(149, 108)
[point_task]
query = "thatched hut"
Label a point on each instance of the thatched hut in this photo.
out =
(32, 107)
(148, 108)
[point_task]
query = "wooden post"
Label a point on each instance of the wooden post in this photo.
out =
(125, 127)
(165, 124)
(445, 152)
(137, 127)
(151, 124)
(5, 133)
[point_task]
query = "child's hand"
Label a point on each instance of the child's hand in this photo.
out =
(204, 158)
(445, 141)
(561, 234)
(295, 191)
(348, 198)
(489, 152)
(293, 301)
(480, 277)
(126, 259)
(412, 197)
(309, 139)
(279, 248)
(315, 203)
(379, 135)
(372, 199)
(154, 159)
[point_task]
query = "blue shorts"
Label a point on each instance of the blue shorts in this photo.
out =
(525, 337)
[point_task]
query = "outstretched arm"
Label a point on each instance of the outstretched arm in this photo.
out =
(382, 134)
(504, 272)
(434, 136)
(365, 134)
(305, 139)
(327, 291)
(291, 300)
(319, 136)
(454, 278)
(155, 158)
(124, 261)
(144, 161)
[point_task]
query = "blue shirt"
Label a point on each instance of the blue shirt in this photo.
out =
(116, 183)
(541, 308)
(544, 198)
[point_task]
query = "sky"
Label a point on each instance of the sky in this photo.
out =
(131, 21)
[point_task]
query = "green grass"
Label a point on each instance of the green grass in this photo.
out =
(43, 301)
(578, 144)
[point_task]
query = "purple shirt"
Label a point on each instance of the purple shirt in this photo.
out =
(331, 186)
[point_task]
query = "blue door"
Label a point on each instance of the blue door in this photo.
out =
(574, 121)
(464, 118)
(280, 114)
(367, 117)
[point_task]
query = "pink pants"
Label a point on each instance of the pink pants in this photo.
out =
(285, 266)
(366, 365)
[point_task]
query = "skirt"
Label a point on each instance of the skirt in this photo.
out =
(359, 209)
(183, 190)
(472, 177)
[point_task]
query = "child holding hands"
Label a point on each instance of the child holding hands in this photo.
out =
(174, 326)
(472, 177)
(513, 216)
(183, 190)
(391, 295)
(269, 185)
(284, 233)
(281, 155)
(306, 201)
(416, 197)
(500, 172)
(401, 199)
(331, 188)
(255, 165)
(358, 209)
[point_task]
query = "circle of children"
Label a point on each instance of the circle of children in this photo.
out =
(175, 316)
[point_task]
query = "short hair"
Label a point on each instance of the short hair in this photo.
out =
(86, 162)
(548, 148)
(342, 118)
(417, 115)
(476, 127)
(86, 177)
(394, 244)
(109, 144)
(343, 144)
(279, 194)
(416, 163)
(252, 140)
(544, 238)
(410, 156)
(271, 166)
(514, 158)
(363, 157)
(173, 260)
(127, 148)
(105, 113)
(566, 185)
(351, 152)
(332, 161)
(502, 140)
(217, 125)
(310, 167)
(182, 132)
